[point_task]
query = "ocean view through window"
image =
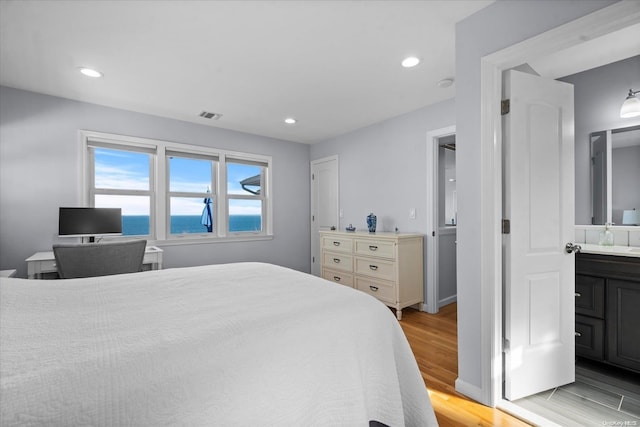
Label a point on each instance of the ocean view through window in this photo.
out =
(135, 225)
(177, 191)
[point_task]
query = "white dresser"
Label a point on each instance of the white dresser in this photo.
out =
(385, 265)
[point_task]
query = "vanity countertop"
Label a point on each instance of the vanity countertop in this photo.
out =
(589, 248)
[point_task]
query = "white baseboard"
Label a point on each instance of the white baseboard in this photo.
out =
(469, 390)
(450, 300)
(447, 301)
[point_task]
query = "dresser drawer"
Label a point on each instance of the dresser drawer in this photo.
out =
(384, 249)
(338, 277)
(376, 268)
(590, 296)
(337, 261)
(383, 290)
(337, 244)
(589, 337)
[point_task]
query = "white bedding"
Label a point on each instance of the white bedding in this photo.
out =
(245, 344)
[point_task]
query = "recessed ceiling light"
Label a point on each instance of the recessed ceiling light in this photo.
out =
(290, 121)
(445, 83)
(89, 72)
(410, 61)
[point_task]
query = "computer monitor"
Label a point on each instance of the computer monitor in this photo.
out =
(89, 222)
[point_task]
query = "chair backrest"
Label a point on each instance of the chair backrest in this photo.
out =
(99, 259)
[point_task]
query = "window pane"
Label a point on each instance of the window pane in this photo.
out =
(121, 169)
(135, 212)
(245, 215)
(243, 179)
(190, 175)
(191, 215)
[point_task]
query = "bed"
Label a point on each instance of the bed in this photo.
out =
(245, 344)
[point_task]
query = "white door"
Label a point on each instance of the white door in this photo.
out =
(538, 138)
(324, 203)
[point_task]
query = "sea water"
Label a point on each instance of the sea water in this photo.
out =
(136, 225)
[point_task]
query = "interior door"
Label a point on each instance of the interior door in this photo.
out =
(324, 204)
(538, 138)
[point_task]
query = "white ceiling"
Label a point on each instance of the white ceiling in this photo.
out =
(334, 65)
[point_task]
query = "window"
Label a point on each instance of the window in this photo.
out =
(170, 191)
(245, 195)
(121, 177)
(192, 204)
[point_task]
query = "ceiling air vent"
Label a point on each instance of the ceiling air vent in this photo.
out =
(208, 115)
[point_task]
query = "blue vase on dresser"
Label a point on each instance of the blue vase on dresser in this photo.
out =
(371, 222)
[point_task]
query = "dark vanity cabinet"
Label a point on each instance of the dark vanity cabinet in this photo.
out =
(608, 309)
(590, 316)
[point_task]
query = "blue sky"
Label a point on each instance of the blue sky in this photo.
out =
(117, 169)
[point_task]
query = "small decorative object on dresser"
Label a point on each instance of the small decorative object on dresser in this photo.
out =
(371, 222)
(385, 265)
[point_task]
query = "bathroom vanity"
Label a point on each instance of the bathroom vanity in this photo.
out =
(608, 305)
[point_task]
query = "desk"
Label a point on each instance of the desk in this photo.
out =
(41, 263)
(7, 273)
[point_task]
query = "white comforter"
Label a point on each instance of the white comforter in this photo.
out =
(244, 344)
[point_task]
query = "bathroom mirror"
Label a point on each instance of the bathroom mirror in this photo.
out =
(447, 194)
(615, 175)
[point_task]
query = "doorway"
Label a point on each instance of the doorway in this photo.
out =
(492, 67)
(442, 219)
(324, 204)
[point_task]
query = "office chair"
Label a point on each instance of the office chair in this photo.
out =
(99, 259)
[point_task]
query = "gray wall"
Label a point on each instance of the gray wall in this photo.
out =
(39, 171)
(501, 24)
(598, 95)
(383, 169)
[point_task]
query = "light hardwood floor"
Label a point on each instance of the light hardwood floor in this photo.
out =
(434, 341)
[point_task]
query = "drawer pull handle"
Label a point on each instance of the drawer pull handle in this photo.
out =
(578, 294)
(336, 260)
(373, 248)
(373, 267)
(336, 243)
(578, 334)
(336, 278)
(373, 288)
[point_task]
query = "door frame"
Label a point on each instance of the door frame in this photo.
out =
(314, 235)
(432, 294)
(601, 22)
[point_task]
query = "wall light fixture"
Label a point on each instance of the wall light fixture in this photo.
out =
(631, 105)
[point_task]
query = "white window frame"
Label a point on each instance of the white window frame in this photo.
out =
(90, 190)
(262, 196)
(198, 155)
(159, 186)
